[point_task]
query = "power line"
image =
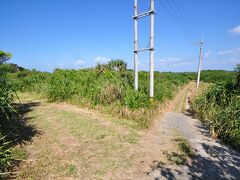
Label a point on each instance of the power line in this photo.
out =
(178, 18)
(174, 15)
(184, 19)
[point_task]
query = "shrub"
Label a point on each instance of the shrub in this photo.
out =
(108, 87)
(109, 94)
(7, 113)
(7, 107)
(219, 108)
(136, 100)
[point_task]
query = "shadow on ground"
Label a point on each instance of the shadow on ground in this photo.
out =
(219, 162)
(19, 130)
(203, 129)
(223, 163)
(212, 160)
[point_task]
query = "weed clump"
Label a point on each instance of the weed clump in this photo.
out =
(184, 152)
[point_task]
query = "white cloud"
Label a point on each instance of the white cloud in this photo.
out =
(208, 54)
(174, 61)
(235, 30)
(79, 62)
(235, 52)
(169, 60)
(232, 61)
(102, 59)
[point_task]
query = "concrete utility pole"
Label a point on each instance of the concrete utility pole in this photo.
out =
(137, 16)
(135, 45)
(152, 50)
(200, 62)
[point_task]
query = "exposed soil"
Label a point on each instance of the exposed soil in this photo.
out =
(212, 159)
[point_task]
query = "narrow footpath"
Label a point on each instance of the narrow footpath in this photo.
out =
(212, 160)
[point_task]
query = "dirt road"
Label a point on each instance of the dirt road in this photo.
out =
(212, 159)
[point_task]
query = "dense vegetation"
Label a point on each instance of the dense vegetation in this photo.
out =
(8, 112)
(212, 76)
(108, 87)
(219, 108)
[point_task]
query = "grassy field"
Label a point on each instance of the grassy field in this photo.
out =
(74, 142)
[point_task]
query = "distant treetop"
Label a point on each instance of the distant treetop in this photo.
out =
(4, 56)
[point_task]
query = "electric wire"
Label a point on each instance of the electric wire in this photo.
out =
(183, 18)
(179, 21)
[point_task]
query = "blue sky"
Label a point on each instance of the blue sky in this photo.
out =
(49, 34)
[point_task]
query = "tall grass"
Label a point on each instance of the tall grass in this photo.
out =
(110, 89)
(7, 112)
(219, 108)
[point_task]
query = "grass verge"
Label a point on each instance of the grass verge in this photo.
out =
(77, 143)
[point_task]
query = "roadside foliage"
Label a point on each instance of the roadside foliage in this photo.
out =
(8, 112)
(109, 89)
(219, 109)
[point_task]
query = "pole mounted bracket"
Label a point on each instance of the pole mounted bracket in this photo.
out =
(144, 14)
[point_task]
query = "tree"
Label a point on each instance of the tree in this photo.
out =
(117, 65)
(4, 56)
(113, 65)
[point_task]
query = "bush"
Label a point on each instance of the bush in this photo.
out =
(136, 100)
(219, 109)
(7, 94)
(110, 88)
(109, 94)
(7, 113)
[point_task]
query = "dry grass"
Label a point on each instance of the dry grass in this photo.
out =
(75, 143)
(79, 143)
(180, 100)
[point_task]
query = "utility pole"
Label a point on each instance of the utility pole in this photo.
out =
(152, 50)
(137, 16)
(135, 45)
(200, 61)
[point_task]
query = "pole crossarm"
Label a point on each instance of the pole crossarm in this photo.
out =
(150, 48)
(144, 14)
(143, 49)
(200, 61)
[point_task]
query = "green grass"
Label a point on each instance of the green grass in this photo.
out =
(183, 151)
(109, 88)
(8, 116)
(219, 108)
(72, 170)
(109, 91)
